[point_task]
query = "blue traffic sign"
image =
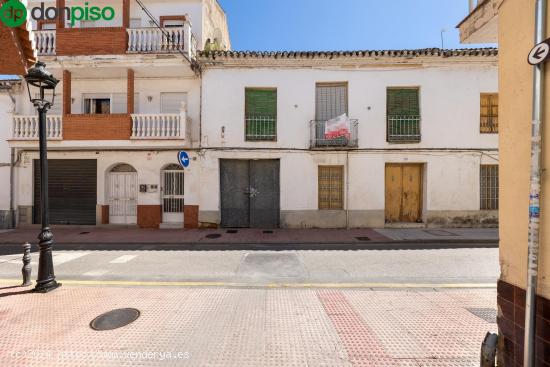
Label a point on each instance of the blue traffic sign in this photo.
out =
(183, 159)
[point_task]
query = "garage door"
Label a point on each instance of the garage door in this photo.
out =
(72, 191)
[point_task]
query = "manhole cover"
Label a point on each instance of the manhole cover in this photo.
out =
(84, 232)
(213, 235)
(487, 314)
(231, 231)
(362, 238)
(115, 319)
(268, 232)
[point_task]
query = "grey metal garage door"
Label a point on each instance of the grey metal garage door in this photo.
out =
(72, 185)
(249, 193)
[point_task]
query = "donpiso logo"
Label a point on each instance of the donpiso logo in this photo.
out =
(13, 13)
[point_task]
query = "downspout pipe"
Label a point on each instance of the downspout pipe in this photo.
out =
(535, 191)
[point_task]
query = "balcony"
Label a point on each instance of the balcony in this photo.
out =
(159, 126)
(26, 127)
(104, 127)
(403, 129)
(116, 40)
(321, 139)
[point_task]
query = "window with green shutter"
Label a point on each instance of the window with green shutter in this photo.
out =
(403, 115)
(260, 114)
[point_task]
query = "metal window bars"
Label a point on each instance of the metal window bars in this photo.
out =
(403, 129)
(488, 187)
(261, 128)
(319, 140)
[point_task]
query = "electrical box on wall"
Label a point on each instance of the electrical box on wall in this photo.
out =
(142, 188)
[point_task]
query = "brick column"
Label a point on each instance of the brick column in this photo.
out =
(126, 13)
(60, 4)
(66, 92)
(130, 92)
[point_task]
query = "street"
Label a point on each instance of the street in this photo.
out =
(424, 266)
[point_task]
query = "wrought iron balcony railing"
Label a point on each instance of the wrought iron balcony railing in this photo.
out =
(261, 128)
(319, 139)
(403, 129)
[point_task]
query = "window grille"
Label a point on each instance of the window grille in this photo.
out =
(489, 187)
(403, 115)
(260, 114)
(331, 187)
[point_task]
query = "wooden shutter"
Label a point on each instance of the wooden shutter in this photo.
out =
(118, 103)
(260, 102)
(331, 187)
(403, 102)
(331, 100)
(171, 102)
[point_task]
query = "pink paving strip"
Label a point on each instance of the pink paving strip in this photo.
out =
(361, 345)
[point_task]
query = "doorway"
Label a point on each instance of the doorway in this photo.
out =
(123, 194)
(403, 193)
(172, 192)
(249, 193)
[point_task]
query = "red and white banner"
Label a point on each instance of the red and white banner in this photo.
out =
(338, 127)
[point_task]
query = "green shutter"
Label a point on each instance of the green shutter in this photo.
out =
(403, 102)
(260, 102)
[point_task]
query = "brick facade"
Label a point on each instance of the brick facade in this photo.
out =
(191, 216)
(105, 214)
(511, 321)
(149, 216)
(66, 92)
(91, 41)
(130, 92)
(97, 127)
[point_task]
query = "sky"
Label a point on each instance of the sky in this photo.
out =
(305, 25)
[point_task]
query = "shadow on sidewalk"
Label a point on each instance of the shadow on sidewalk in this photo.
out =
(24, 290)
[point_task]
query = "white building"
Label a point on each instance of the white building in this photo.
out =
(253, 125)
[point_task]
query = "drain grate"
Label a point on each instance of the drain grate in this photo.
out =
(268, 232)
(439, 232)
(487, 314)
(84, 232)
(213, 235)
(231, 231)
(362, 239)
(115, 319)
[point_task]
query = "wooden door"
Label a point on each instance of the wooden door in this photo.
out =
(403, 196)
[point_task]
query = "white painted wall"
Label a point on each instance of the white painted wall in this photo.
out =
(6, 114)
(449, 97)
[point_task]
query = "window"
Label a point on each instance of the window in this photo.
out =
(488, 113)
(331, 100)
(331, 187)
(403, 115)
(260, 114)
(97, 105)
(488, 187)
(172, 21)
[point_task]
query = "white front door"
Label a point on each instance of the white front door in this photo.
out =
(172, 196)
(123, 194)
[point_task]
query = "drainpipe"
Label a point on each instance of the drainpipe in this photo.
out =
(535, 191)
(12, 206)
(347, 189)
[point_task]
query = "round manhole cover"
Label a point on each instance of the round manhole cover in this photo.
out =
(115, 319)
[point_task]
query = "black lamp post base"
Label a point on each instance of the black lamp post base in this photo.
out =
(46, 287)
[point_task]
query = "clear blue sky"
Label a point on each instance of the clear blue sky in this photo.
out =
(275, 25)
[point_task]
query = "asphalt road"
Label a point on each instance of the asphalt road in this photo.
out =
(432, 266)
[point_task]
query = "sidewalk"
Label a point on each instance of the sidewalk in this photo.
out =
(246, 327)
(113, 235)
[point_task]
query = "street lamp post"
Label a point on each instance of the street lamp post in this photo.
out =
(38, 77)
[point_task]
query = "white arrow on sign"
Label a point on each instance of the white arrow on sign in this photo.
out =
(539, 53)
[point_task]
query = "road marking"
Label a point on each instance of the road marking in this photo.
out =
(63, 257)
(268, 285)
(122, 259)
(95, 273)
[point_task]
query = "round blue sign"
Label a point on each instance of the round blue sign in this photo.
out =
(183, 159)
